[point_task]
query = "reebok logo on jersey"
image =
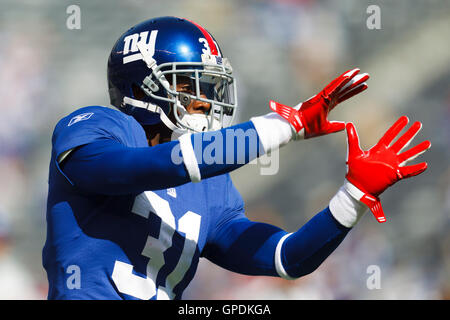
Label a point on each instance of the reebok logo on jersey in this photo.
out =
(172, 192)
(80, 117)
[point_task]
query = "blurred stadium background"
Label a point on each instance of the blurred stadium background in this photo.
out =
(284, 50)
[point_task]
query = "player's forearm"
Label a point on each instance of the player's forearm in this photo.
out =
(303, 251)
(255, 248)
(212, 153)
(300, 253)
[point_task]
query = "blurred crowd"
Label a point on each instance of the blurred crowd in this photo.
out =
(284, 50)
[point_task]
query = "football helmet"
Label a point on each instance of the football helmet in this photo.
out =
(152, 56)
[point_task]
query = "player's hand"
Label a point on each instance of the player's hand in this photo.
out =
(310, 118)
(373, 171)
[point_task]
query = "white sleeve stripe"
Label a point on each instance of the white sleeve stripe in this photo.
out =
(278, 262)
(189, 159)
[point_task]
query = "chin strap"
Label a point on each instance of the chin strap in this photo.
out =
(196, 121)
(152, 108)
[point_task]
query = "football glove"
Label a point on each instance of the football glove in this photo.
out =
(310, 118)
(373, 171)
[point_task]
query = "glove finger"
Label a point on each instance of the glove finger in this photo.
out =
(413, 170)
(393, 131)
(353, 147)
(407, 137)
(348, 76)
(352, 93)
(413, 153)
(331, 87)
(335, 126)
(356, 81)
(336, 85)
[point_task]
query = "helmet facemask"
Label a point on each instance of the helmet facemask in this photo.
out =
(210, 81)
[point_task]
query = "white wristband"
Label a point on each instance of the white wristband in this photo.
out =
(273, 131)
(346, 207)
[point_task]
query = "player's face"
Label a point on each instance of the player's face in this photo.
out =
(160, 133)
(184, 85)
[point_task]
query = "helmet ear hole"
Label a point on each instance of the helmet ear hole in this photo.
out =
(138, 93)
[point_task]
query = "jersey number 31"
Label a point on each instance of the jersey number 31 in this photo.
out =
(145, 288)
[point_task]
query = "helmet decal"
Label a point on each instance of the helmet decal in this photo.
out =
(207, 48)
(209, 41)
(130, 45)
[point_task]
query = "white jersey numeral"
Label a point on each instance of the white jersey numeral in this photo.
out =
(145, 288)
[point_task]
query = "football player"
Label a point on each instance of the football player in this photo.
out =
(126, 220)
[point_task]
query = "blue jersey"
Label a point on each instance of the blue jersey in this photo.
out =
(125, 222)
(126, 246)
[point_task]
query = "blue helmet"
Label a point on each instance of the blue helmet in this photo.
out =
(154, 56)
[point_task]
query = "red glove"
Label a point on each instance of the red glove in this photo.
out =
(310, 118)
(373, 171)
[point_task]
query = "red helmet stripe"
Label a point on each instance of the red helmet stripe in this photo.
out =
(208, 38)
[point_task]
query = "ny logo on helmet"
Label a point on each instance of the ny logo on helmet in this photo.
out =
(130, 49)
